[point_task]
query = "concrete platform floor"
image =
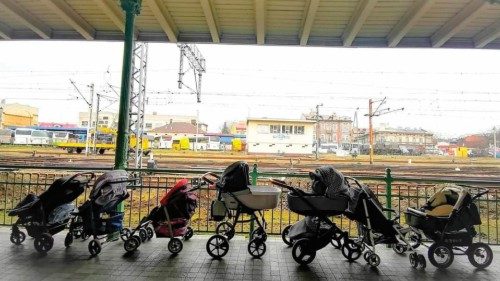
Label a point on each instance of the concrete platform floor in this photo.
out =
(153, 262)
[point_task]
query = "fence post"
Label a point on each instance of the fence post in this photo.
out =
(255, 175)
(388, 190)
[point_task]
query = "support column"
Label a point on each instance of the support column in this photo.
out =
(131, 8)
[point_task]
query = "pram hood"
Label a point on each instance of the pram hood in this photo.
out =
(178, 187)
(454, 195)
(234, 178)
(179, 202)
(110, 189)
(328, 181)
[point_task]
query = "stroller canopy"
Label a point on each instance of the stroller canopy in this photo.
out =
(449, 198)
(110, 189)
(235, 177)
(182, 184)
(328, 181)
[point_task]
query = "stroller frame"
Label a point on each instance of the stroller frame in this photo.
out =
(41, 231)
(218, 245)
(145, 231)
(353, 249)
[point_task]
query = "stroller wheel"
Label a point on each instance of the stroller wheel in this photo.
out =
(414, 238)
(373, 260)
(175, 245)
(480, 255)
(257, 248)
(258, 233)
(95, 247)
(17, 237)
(44, 243)
(399, 248)
(225, 229)
(351, 250)
(421, 261)
(131, 244)
(366, 255)
(302, 252)
(284, 235)
(189, 233)
(77, 233)
(217, 246)
(337, 239)
(143, 235)
(441, 255)
(413, 260)
(85, 235)
(150, 232)
(125, 234)
(137, 238)
(68, 240)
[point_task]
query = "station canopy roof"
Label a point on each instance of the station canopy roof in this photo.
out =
(367, 23)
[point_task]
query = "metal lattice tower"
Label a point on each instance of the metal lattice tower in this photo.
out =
(196, 63)
(138, 100)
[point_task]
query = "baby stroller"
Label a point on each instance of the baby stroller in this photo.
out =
(316, 230)
(448, 218)
(235, 197)
(47, 214)
(375, 227)
(170, 219)
(98, 217)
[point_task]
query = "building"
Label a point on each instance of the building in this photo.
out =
(280, 136)
(165, 135)
(332, 128)
(57, 125)
(17, 115)
(417, 140)
(238, 128)
(151, 121)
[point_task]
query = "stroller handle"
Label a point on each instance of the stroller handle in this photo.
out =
(210, 177)
(92, 175)
(481, 192)
(283, 184)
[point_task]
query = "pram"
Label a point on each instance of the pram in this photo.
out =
(448, 218)
(97, 217)
(316, 230)
(374, 227)
(47, 214)
(170, 219)
(236, 197)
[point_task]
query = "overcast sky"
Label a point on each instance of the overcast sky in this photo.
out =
(450, 92)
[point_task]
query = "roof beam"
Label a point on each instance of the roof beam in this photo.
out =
(65, 12)
(211, 18)
(5, 31)
(26, 18)
(359, 17)
(488, 35)
(308, 23)
(260, 21)
(409, 20)
(163, 17)
(457, 23)
(113, 12)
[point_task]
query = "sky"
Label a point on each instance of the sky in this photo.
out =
(450, 92)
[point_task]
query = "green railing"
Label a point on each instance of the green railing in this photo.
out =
(392, 191)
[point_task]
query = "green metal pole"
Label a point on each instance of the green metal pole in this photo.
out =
(388, 190)
(131, 9)
(255, 175)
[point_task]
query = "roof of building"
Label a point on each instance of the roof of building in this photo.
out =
(178, 128)
(281, 120)
(367, 23)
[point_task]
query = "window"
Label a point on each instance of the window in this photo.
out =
(105, 118)
(263, 129)
(85, 123)
(286, 129)
(149, 125)
(275, 129)
(298, 130)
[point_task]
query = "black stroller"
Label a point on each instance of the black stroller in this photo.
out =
(170, 219)
(448, 218)
(97, 217)
(48, 213)
(316, 230)
(235, 197)
(374, 227)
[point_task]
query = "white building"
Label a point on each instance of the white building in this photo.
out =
(280, 136)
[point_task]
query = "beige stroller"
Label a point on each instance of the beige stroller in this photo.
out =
(236, 197)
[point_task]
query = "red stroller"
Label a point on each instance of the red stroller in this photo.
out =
(170, 219)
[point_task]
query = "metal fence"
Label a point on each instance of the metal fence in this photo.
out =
(396, 193)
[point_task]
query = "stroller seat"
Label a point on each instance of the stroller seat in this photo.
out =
(29, 203)
(440, 211)
(315, 205)
(254, 197)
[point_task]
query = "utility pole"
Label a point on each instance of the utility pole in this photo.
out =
(196, 63)
(317, 130)
(197, 128)
(495, 142)
(374, 113)
(90, 104)
(96, 122)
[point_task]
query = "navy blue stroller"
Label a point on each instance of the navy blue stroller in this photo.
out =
(47, 214)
